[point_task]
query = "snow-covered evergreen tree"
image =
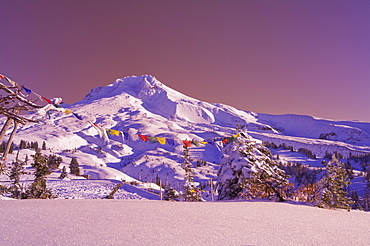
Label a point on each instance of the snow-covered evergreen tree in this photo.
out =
(191, 193)
(170, 193)
(332, 186)
(247, 171)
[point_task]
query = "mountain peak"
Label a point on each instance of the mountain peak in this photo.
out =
(137, 86)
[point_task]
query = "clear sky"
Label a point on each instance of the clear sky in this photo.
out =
(267, 56)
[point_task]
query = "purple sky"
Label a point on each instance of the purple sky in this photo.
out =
(302, 57)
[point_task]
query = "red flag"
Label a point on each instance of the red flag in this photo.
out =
(47, 100)
(225, 140)
(2, 77)
(187, 143)
(143, 137)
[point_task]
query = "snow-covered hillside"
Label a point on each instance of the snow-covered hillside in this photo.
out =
(105, 132)
(113, 222)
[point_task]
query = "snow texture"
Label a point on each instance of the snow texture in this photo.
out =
(117, 222)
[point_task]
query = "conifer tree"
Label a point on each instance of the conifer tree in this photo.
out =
(54, 161)
(170, 193)
(332, 186)
(43, 145)
(15, 173)
(38, 188)
(74, 167)
(248, 171)
(2, 146)
(367, 198)
(23, 144)
(64, 173)
(191, 193)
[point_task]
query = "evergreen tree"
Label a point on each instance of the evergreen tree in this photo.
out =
(248, 171)
(36, 146)
(332, 186)
(54, 161)
(74, 167)
(43, 145)
(191, 193)
(15, 173)
(2, 146)
(367, 198)
(367, 177)
(64, 173)
(356, 201)
(23, 144)
(38, 188)
(170, 193)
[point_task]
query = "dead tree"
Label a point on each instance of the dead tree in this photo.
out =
(12, 105)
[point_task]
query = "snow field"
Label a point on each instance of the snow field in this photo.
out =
(118, 222)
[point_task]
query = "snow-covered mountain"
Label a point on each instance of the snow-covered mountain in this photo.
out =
(143, 105)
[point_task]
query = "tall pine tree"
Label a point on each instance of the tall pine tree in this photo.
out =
(15, 173)
(247, 171)
(74, 166)
(38, 188)
(332, 186)
(191, 193)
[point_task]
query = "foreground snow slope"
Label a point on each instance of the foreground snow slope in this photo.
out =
(114, 222)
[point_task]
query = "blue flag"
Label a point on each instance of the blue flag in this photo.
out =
(27, 90)
(77, 116)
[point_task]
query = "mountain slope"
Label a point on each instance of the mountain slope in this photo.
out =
(143, 105)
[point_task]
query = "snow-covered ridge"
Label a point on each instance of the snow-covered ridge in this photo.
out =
(314, 128)
(159, 99)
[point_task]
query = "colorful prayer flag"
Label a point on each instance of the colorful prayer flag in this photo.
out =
(77, 116)
(143, 137)
(2, 77)
(187, 143)
(196, 143)
(47, 100)
(161, 140)
(27, 90)
(113, 132)
(153, 139)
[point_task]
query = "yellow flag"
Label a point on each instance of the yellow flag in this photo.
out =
(161, 140)
(68, 111)
(203, 142)
(236, 135)
(114, 132)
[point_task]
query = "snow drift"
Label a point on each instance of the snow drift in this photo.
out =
(114, 222)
